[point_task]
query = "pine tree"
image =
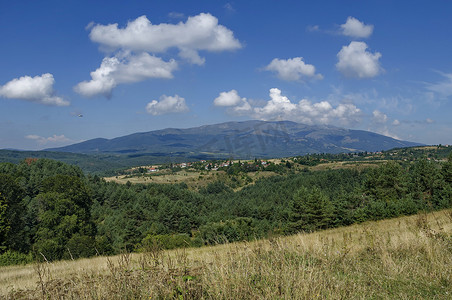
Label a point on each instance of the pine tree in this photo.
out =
(447, 170)
(311, 210)
(11, 212)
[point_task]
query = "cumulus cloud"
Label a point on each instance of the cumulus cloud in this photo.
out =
(323, 112)
(37, 89)
(281, 107)
(292, 69)
(133, 49)
(55, 139)
(236, 105)
(201, 32)
(396, 122)
(243, 108)
(230, 98)
(356, 29)
(444, 88)
(166, 105)
(354, 61)
(277, 105)
(305, 111)
(124, 68)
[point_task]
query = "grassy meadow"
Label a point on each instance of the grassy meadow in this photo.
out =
(193, 179)
(402, 258)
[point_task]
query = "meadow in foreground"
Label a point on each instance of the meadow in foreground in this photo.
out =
(404, 258)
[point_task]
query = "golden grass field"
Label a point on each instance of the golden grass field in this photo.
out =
(402, 258)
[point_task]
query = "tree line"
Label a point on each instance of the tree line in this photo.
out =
(53, 210)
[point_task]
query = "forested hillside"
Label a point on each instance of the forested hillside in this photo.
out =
(51, 209)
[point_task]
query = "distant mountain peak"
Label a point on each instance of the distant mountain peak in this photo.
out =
(244, 139)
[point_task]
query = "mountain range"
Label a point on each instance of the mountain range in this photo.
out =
(247, 139)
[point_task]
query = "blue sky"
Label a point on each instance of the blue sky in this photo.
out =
(76, 70)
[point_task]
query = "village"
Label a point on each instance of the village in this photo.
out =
(239, 173)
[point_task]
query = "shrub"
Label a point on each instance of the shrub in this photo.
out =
(15, 258)
(167, 241)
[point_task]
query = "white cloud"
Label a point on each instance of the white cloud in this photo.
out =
(243, 108)
(201, 32)
(323, 112)
(124, 68)
(292, 69)
(166, 105)
(356, 29)
(37, 89)
(102, 81)
(134, 46)
(55, 139)
(230, 98)
(444, 88)
(356, 62)
(379, 117)
(278, 105)
(307, 112)
(192, 56)
(281, 107)
(236, 105)
(140, 67)
(379, 124)
(385, 131)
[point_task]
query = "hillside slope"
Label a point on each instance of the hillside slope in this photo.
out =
(403, 258)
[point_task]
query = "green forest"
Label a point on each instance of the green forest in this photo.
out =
(51, 210)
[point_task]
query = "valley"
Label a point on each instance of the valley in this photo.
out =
(341, 224)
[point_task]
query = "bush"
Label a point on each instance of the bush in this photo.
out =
(15, 258)
(238, 229)
(48, 249)
(104, 245)
(80, 246)
(166, 241)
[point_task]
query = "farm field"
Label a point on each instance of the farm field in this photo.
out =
(404, 258)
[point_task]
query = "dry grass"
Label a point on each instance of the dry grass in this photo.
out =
(404, 258)
(161, 177)
(357, 165)
(193, 179)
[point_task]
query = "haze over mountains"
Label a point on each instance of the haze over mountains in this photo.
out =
(246, 139)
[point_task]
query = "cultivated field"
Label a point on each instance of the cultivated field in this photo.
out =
(403, 258)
